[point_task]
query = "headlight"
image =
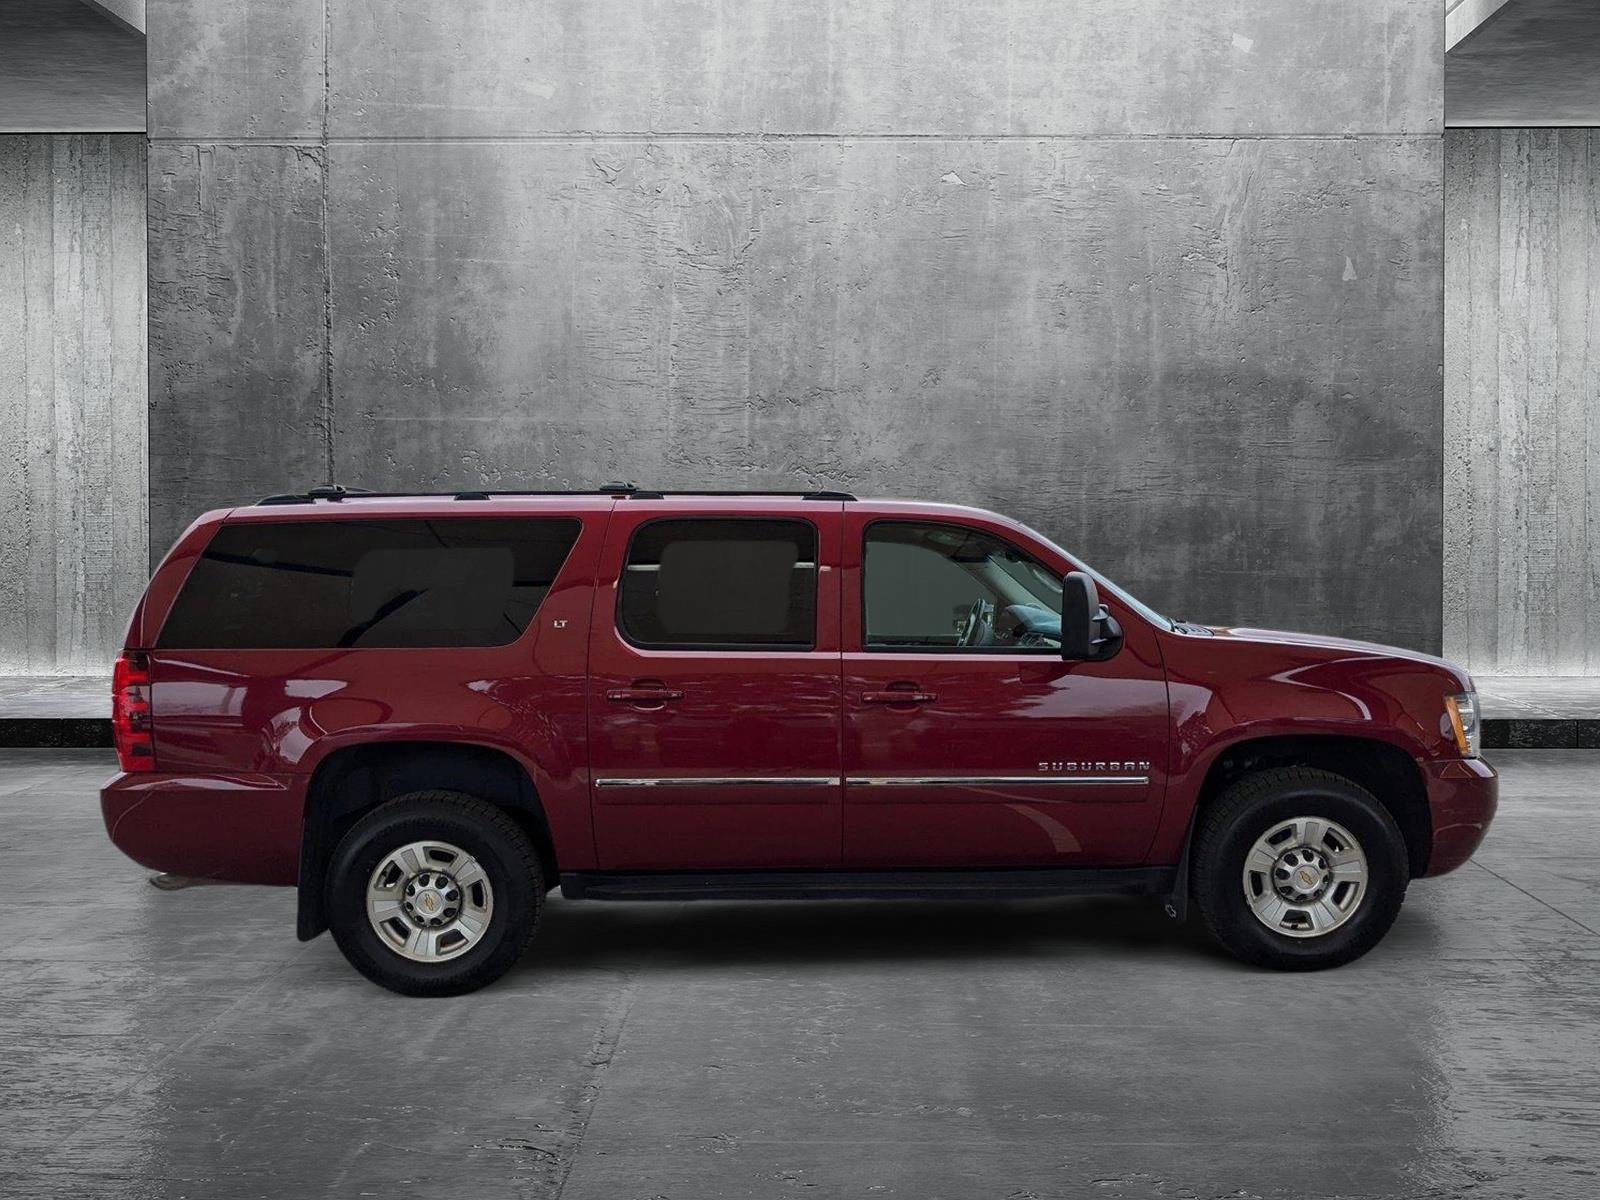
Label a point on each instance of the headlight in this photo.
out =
(1465, 723)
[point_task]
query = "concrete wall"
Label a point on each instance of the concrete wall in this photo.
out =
(1163, 280)
(1522, 397)
(73, 545)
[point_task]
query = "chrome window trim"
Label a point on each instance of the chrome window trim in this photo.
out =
(799, 566)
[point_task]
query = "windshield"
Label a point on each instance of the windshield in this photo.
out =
(1104, 584)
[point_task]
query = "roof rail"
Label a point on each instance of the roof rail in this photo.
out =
(812, 495)
(334, 493)
(337, 492)
(323, 491)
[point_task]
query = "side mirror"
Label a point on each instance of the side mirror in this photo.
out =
(1088, 631)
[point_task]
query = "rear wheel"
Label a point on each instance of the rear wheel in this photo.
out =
(1299, 869)
(434, 893)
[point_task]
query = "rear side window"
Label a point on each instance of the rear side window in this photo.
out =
(314, 584)
(720, 584)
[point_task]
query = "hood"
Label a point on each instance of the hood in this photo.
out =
(1337, 647)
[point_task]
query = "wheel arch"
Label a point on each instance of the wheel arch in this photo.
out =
(353, 780)
(1383, 768)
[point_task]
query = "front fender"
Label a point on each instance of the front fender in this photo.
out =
(1224, 694)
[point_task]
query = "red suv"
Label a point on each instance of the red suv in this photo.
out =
(427, 711)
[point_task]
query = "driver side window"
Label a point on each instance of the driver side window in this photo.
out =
(946, 587)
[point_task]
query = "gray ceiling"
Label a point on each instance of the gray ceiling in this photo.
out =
(67, 67)
(1531, 62)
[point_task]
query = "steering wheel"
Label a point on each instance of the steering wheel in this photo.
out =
(978, 630)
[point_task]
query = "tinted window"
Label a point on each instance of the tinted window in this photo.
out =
(306, 584)
(945, 587)
(720, 583)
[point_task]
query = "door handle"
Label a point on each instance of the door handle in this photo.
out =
(898, 696)
(643, 695)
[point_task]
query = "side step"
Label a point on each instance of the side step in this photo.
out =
(856, 885)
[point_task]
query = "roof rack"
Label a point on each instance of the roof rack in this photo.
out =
(325, 491)
(638, 494)
(335, 493)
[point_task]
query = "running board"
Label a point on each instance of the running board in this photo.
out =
(1014, 884)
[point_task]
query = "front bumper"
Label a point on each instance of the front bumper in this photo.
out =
(1463, 794)
(243, 828)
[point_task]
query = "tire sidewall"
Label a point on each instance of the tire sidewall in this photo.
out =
(1387, 876)
(516, 897)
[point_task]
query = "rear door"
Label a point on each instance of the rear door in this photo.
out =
(969, 741)
(714, 703)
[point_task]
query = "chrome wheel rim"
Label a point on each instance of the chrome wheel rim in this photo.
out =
(1305, 877)
(429, 901)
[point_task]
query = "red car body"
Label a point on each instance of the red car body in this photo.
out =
(240, 738)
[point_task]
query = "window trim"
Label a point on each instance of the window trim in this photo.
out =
(810, 647)
(976, 651)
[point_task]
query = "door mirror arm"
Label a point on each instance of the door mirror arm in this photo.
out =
(1089, 633)
(1108, 638)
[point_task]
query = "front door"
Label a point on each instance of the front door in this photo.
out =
(969, 741)
(714, 706)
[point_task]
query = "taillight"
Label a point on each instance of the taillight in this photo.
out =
(131, 727)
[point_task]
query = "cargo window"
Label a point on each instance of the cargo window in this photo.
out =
(362, 584)
(720, 584)
(948, 587)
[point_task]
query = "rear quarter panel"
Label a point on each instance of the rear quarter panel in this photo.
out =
(274, 716)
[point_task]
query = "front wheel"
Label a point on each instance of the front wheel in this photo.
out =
(1299, 869)
(434, 894)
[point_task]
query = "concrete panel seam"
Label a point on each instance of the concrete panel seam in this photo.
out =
(327, 254)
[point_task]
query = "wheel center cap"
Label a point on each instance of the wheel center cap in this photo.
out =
(1300, 875)
(431, 898)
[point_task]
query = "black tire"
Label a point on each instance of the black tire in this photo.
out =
(1248, 810)
(481, 830)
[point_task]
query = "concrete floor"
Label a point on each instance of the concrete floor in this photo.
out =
(1539, 697)
(27, 696)
(184, 1044)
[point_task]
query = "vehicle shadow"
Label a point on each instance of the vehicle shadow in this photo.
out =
(799, 933)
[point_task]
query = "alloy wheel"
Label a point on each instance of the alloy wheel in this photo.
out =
(429, 901)
(1305, 877)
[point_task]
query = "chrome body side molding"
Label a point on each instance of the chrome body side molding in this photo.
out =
(995, 780)
(698, 781)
